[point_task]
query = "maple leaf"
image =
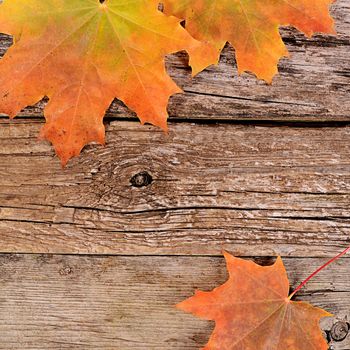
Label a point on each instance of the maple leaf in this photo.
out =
(251, 27)
(82, 54)
(252, 311)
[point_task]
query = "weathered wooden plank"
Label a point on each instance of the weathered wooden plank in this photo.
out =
(313, 85)
(66, 302)
(251, 190)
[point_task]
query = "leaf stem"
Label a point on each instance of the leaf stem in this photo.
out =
(302, 284)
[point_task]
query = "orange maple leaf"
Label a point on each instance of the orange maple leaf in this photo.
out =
(251, 27)
(252, 311)
(84, 53)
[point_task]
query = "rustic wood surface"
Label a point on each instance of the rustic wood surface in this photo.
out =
(313, 84)
(135, 227)
(70, 302)
(283, 190)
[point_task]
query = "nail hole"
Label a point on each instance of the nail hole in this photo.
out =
(339, 331)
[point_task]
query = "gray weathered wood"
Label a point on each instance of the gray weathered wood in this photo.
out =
(70, 302)
(251, 190)
(313, 85)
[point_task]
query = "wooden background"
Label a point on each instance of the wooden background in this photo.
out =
(95, 256)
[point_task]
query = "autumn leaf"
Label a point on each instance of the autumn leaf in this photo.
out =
(82, 54)
(251, 27)
(252, 311)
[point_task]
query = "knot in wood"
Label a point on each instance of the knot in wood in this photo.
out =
(66, 270)
(141, 179)
(339, 330)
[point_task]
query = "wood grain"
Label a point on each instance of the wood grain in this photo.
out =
(313, 85)
(70, 302)
(255, 189)
(252, 190)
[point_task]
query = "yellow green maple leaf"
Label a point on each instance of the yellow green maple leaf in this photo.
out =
(84, 53)
(251, 27)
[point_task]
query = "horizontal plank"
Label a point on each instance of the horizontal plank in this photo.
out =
(313, 84)
(65, 302)
(202, 188)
